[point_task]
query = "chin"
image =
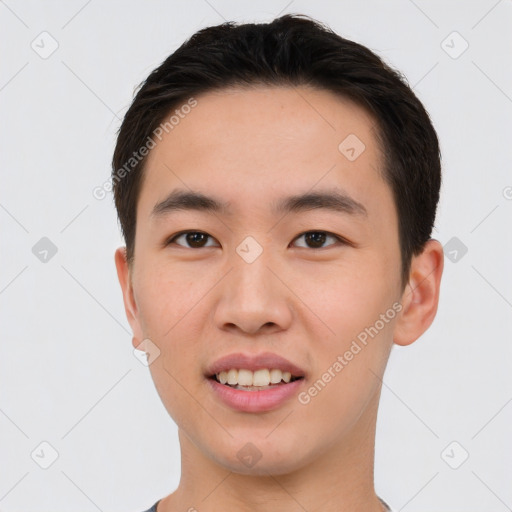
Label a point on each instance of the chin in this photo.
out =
(264, 467)
(261, 457)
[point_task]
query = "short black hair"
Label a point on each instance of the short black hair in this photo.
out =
(292, 50)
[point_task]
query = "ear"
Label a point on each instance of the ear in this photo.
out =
(130, 306)
(421, 295)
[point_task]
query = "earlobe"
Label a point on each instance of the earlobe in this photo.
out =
(130, 306)
(421, 295)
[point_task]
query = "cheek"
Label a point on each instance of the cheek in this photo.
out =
(358, 316)
(349, 363)
(163, 299)
(168, 314)
(171, 309)
(349, 299)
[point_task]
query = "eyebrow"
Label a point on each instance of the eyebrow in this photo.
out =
(183, 200)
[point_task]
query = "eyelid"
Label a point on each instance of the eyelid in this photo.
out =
(172, 238)
(339, 239)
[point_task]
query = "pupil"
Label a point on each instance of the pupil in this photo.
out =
(194, 239)
(317, 238)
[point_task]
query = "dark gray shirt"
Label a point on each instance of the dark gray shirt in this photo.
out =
(153, 508)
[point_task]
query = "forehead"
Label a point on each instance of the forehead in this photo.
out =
(252, 144)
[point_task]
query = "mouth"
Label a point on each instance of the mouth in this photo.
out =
(254, 383)
(254, 392)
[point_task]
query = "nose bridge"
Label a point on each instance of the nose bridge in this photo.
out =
(250, 250)
(251, 276)
(252, 296)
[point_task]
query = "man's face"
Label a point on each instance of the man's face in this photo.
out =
(287, 289)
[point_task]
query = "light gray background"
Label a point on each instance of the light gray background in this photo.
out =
(68, 375)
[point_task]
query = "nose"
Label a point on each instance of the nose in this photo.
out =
(253, 299)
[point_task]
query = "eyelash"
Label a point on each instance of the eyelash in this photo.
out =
(339, 239)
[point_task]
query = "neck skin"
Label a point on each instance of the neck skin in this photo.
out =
(339, 480)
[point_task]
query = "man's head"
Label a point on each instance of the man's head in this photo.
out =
(288, 210)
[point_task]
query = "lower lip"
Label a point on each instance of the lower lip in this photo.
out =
(255, 401)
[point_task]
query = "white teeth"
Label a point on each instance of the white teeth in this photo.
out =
(244, 377)
(259, 378)
(276, 376)
(233, 376)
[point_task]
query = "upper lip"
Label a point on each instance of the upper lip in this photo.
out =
(254, 362)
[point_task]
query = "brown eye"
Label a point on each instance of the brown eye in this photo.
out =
(193, 239)
(316, 239)
(196, 239)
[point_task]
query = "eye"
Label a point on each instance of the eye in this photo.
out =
(316, 239)
(195, 239)
(199, 239)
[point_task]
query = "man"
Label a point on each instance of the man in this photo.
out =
(276, 186)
